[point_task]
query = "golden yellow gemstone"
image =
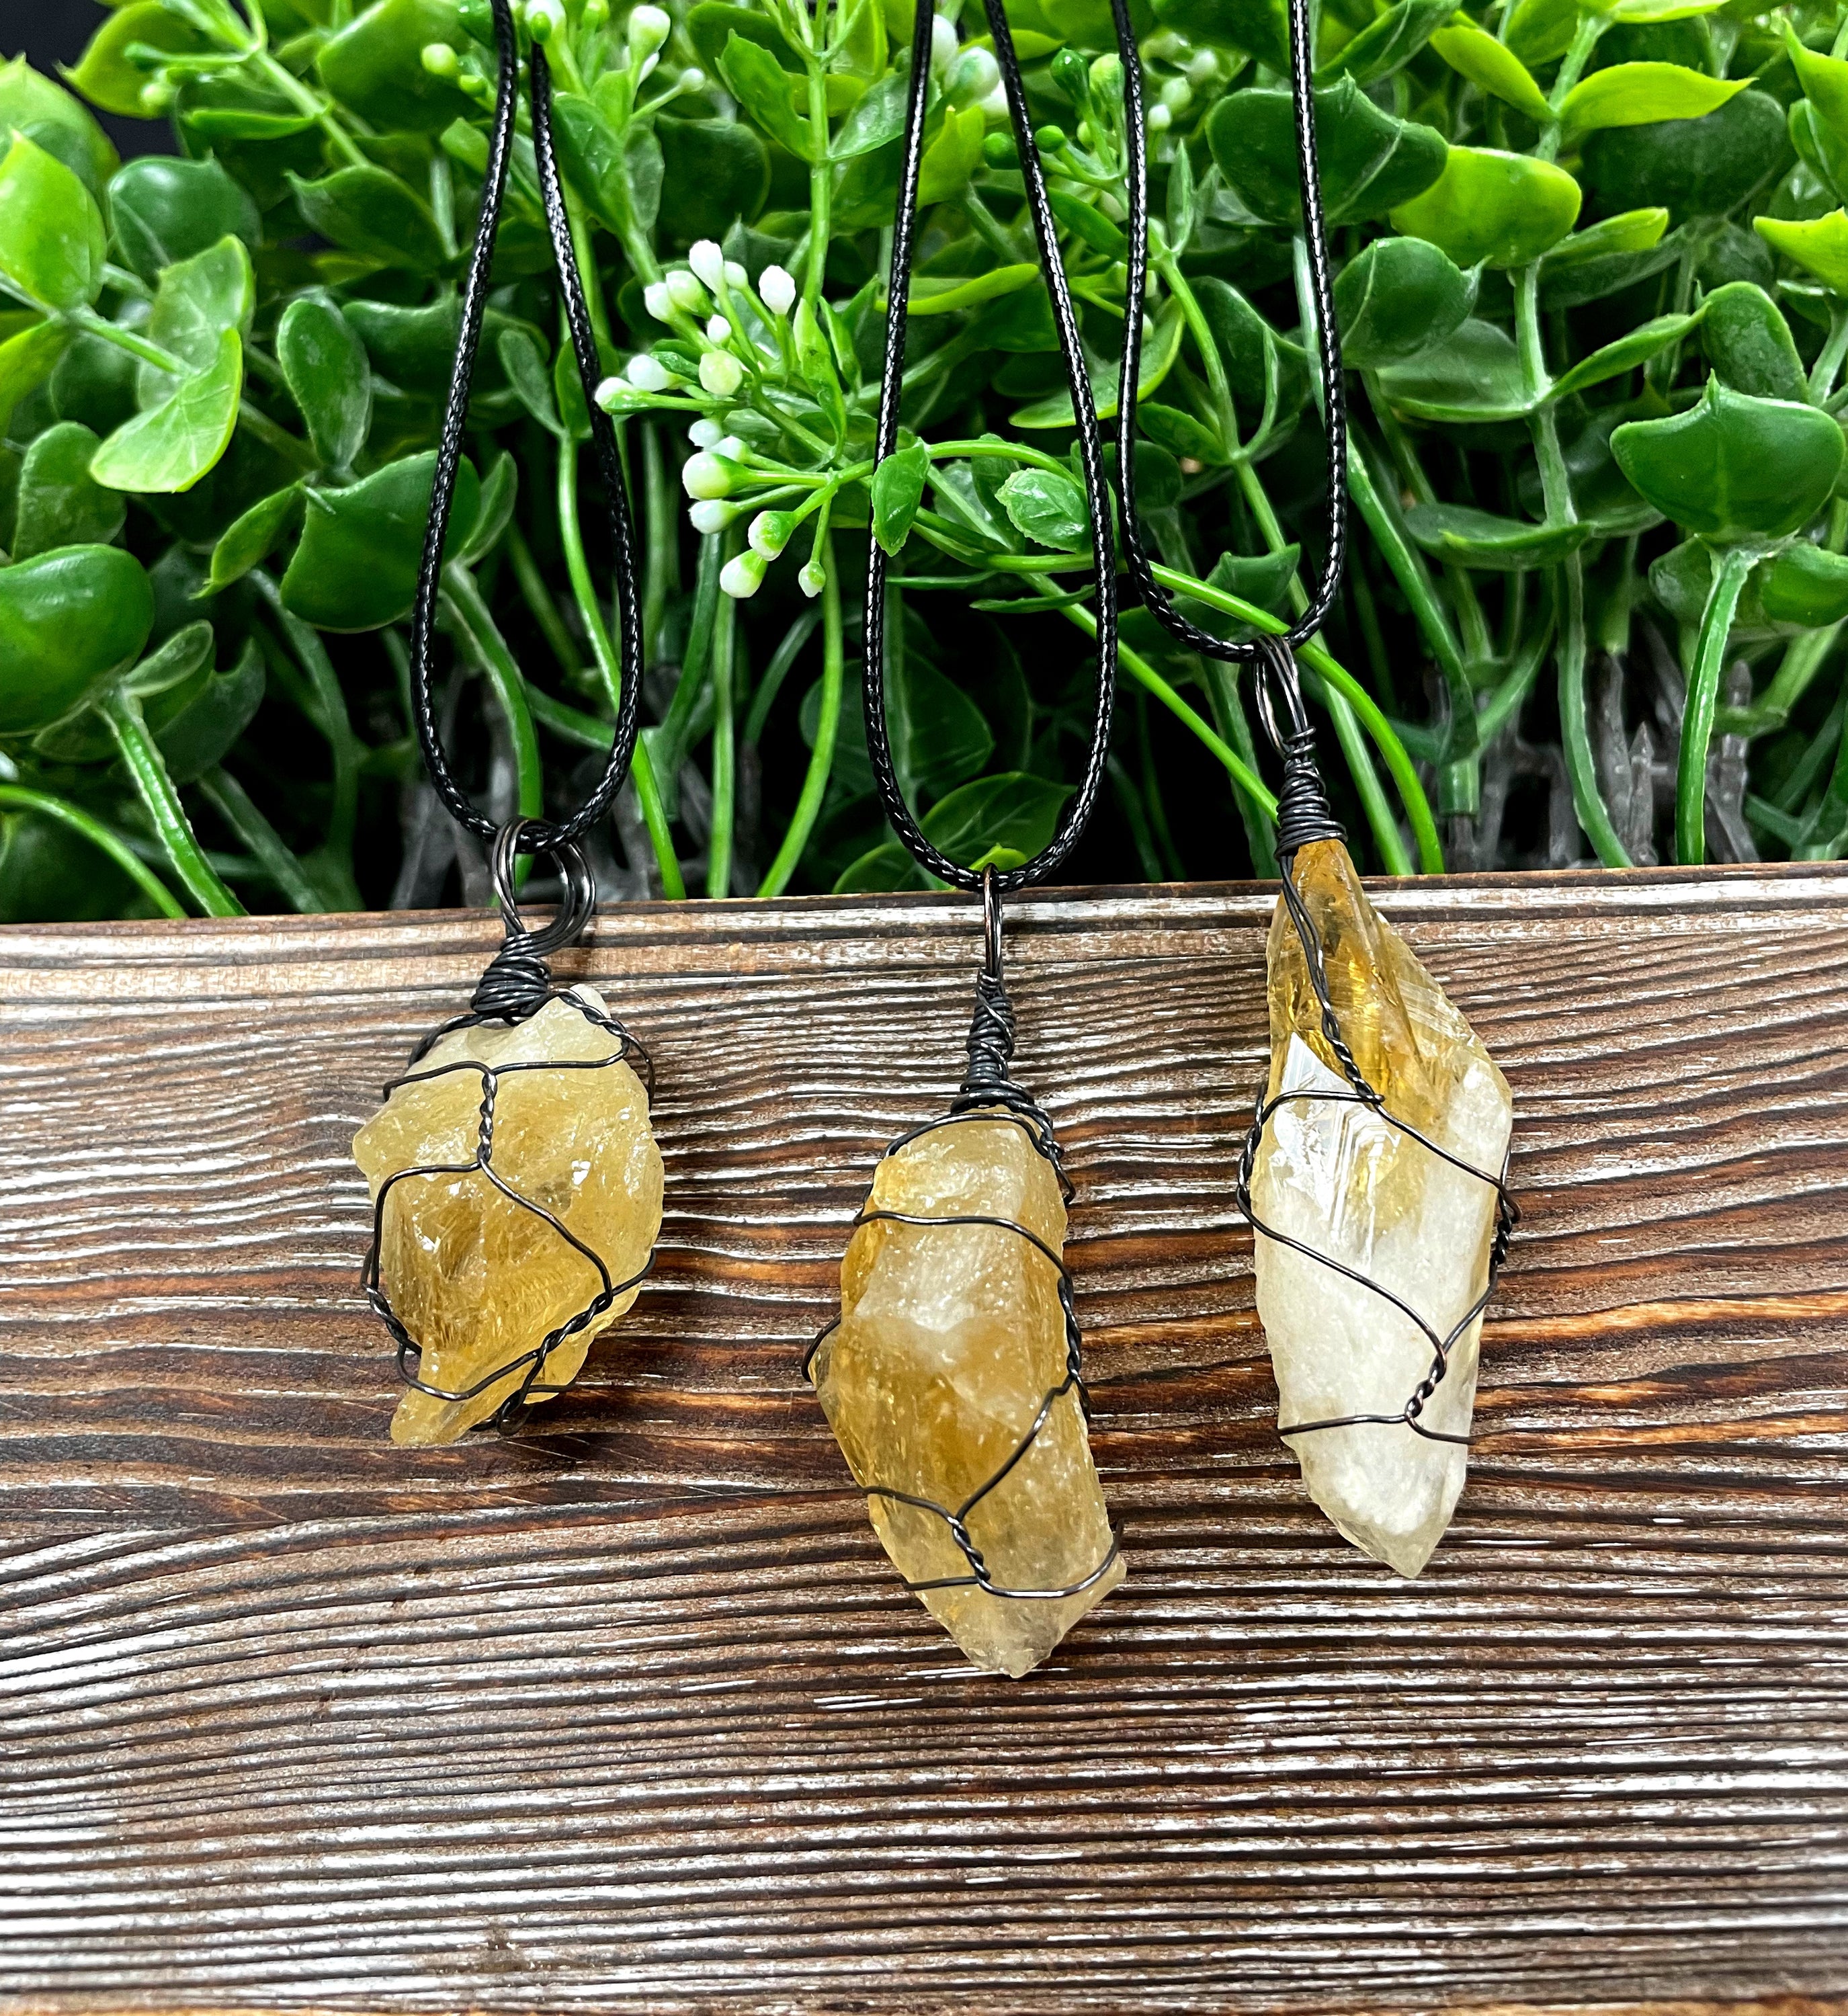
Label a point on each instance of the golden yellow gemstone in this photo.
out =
(951, 1337)
(477, 1279)
(1347, 1183)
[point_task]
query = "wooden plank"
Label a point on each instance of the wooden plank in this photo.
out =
(629, 1713)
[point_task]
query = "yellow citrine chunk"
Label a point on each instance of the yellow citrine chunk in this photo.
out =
(478, 1278)
(951, 1338)
(1348, 1184)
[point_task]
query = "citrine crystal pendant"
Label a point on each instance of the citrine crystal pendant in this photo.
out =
(516, 1184)
(1375, 1183)
(952, 1379)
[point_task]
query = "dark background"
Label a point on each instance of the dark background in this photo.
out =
(50, 32)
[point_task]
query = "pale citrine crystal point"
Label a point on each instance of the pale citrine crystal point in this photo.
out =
(475, 1279)
(1347, 1183)
(951, 1337)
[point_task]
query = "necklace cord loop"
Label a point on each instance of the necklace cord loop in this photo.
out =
(532, 835)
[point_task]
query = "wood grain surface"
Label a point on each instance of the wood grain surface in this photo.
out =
(630, 1714)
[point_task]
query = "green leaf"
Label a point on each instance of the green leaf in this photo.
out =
(500, 488)
(1825, 80)
(26, 360)
(938, 735)
(59, 503)
(68, 619)
(1652, 13)
(52, 244)
(1642, 342)
(198, 300)
(103, 73)
(1157, 361)
(47, 113)
(1399, 297)
(1370, 162)
(1819, 246)
(1480, 539)
(1491, 208)
(203, 732)
(370, 211)
(324, 365)
(1474, 376)
(953, 157)
(1261, 579)
(1540, 31)
(1493, 67)
(1693, 168)
(1012, 810)
(711, 26)
(898, 490)
(761, 85)
(1181, 434)
(1049, 509)
(1805, 585)
(253, 537)
(172, 446)
(1607, 256)
(1734, 467)
(376, 68)
(414, 348)
(188, 650)
(944, 293)
(1643, 94)
(163, 210)
(1820, 147)
(356, 566)
(1748, 343)
(1085, 221)
(876, 121)
(1388, 42)
(618, 174)
(715, 173)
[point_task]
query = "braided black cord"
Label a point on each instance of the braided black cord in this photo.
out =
(536, 836)
(1090, 457)
(1154, 597)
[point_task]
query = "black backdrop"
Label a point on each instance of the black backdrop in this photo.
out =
(50, 32)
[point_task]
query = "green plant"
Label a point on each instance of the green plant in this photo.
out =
(1594, 303)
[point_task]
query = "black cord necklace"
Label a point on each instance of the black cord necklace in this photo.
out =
(516, 1182)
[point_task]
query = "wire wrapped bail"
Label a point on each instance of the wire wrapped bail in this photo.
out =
(1303, 813)
(992, 1031)
(518, 982)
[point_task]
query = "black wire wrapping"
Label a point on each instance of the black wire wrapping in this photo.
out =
(989, 1093)
(516, 986)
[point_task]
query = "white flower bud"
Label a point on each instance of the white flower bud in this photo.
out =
(706, 476)
(718, 330)
(721, 373)
(812, 580)
(614, 395)
(646, 373)
(441, 60)
(943, 43)
(731, 448)
(1160, 119)
(777, 289)
(657, 301)
(770, 532)
(735, 274)
(1204, 67)
(648, 28)
(706, 433)
(684, 292)
(544, 19)
(708, 261)
(742, 577)
(710, 516)
(975, 74)
(693, 78)
(1177, 94)
(650, 66)
(995, 105)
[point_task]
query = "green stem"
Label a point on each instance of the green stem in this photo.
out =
(538, 599)
(461, 600)
(725, 751)
(661, 575)
(142, 755)
(330, 704)
(641, 765)
(1703, 697)
(821, 184)
(100, 836)
(238, 811)
(1244, 778)
(781, 659)
(1822, 378)
(821, 762)
(1575, 727)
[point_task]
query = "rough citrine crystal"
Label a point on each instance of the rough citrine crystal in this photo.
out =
(951, 1338)
(1347, 1183)
(475, 1276)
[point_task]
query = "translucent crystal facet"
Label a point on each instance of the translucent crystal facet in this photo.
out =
(951, 1337)
(477, 1278)
(1348, 1184)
